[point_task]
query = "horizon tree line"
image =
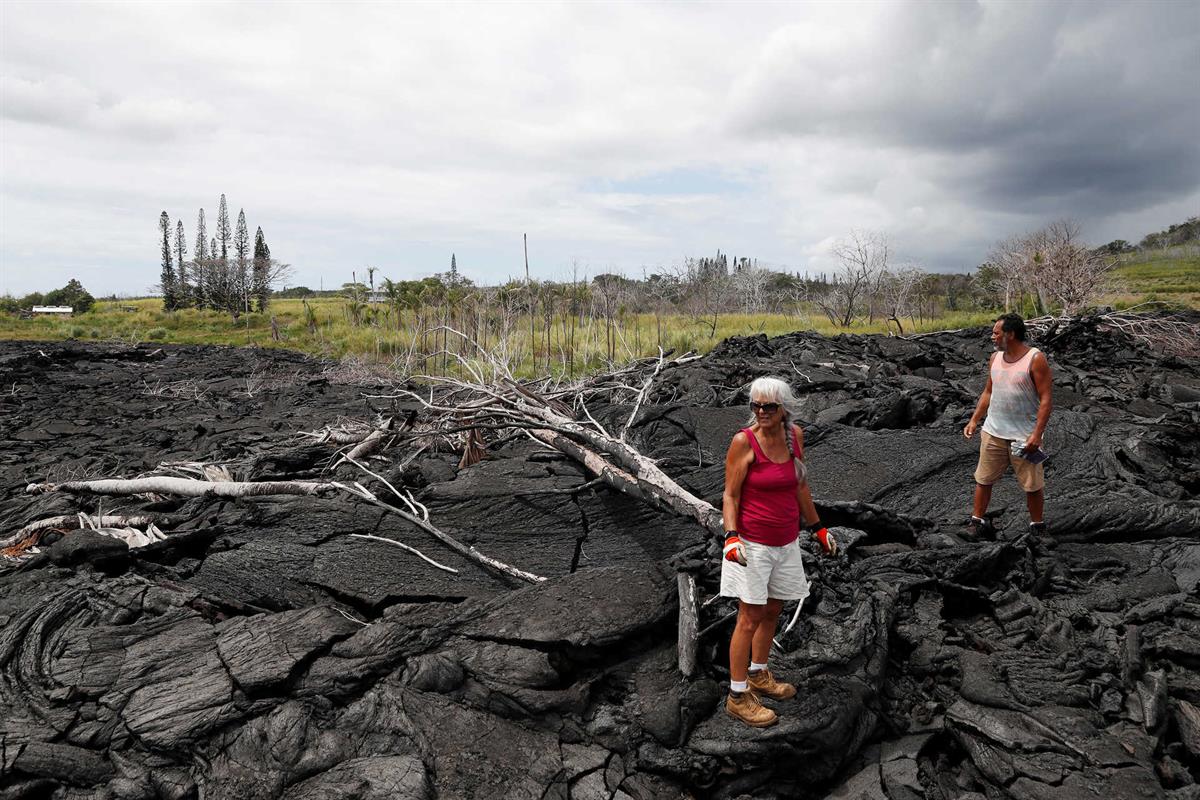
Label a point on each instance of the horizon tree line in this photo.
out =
(213, 279)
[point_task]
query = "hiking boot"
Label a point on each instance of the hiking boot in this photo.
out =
(747, 707)
(764, 683)
(978, 529)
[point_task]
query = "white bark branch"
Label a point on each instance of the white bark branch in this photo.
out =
(75, 522)
(184, 487)
(404, 546)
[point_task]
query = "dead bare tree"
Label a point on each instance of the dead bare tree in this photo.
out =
(750, 284)
(1061, 266)
(899, 291)
(863, 258)
(705, 296)
(1010, 258)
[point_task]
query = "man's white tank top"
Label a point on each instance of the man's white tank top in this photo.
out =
(1012, 414)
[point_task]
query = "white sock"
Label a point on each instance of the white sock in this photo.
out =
(738, 686)
(757, 667)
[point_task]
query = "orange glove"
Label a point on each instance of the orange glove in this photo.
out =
(734, 551)
(826, 540)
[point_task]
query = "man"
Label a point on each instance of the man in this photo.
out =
(1017, 403)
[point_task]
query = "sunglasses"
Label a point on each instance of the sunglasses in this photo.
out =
(766, 408)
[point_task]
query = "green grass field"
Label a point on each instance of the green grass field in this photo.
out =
(1160, 275)
(395, 339)
(391, 341)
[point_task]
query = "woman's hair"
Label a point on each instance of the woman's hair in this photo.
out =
(774, 390)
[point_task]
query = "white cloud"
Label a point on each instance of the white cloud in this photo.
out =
(390, 134)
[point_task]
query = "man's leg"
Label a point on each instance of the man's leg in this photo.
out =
(993, 460)
(1035, 501)
(983, 496)
(1033, 481)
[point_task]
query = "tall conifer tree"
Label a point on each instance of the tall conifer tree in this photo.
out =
(183, 289)
(224, 232)
(241, 250)
(200, 275)
(262, 270)
(214, 284)
(168, 269)
(201, 238)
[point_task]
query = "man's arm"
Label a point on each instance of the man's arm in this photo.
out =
(1043, 381)
(981, 407)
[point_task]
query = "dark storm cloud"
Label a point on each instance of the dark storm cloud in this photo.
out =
(1031, 104)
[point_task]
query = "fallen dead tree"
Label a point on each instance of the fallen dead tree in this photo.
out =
(507, 404)
(186, 487)
(189, 487)
(619, 464)
(1148, 323)
(134, 530)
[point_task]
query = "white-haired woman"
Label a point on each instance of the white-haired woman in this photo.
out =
(767, 502)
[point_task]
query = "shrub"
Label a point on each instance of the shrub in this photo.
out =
(156, 334)
(73, 295)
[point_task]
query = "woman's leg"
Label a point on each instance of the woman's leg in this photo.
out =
(764, 634)
(750, 618)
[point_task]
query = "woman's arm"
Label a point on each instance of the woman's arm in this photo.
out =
(808, 511)
(737, 462)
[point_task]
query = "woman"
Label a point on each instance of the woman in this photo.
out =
(766, 499)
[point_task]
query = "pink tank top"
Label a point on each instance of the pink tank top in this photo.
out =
(769, 512)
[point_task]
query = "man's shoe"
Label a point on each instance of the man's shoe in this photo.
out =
(765, 684)
(979, 529)
(747, 707)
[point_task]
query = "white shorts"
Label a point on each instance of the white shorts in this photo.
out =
(775, 573)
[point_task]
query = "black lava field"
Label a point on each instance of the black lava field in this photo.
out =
(259, 649)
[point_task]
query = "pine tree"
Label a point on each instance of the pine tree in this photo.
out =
(200, 274)
(201, 238)
(224, 232)
(183, 290)
(262, 270)
(214, 283)
(241, 250)
(453, 271)
(168, 270)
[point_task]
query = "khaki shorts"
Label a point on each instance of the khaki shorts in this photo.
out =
(771, 573)
(995, 454)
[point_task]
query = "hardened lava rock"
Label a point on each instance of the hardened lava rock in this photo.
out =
(262, 650)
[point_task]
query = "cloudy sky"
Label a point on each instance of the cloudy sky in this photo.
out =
(618, 136)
